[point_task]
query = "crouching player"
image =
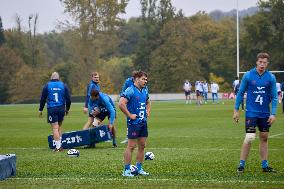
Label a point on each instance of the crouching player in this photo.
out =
(260, 85)
(134, 103)
(100, 105)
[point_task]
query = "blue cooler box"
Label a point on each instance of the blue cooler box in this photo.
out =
(82, 138)
(7, 166)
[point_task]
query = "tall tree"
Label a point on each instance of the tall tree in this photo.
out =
(96, 19)
(265, 32)
(2, 37)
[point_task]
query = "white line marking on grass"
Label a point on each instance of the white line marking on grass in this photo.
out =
(272, 136)
(154, 179)
(185, 148)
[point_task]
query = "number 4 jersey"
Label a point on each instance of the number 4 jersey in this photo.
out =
(261, 90)
(137, 100)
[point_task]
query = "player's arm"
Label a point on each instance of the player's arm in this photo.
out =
(123, 107)
(148, 107)
(240, 96)
(110, 108)
(85, 109)
(274, 101)
(44, 94)
(68, 99)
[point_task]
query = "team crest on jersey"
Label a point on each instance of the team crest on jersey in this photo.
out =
(134, 134)
(253, 82)
(260, 88)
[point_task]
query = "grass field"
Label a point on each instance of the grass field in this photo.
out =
(194, 147)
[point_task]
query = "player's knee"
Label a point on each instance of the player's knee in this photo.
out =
(96, 122)
(249, 138)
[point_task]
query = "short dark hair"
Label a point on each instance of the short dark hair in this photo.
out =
(139, 74)
(134, 72)
(262, 55)
(94, 73)
(94, 93)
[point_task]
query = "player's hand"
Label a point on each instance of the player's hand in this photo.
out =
(85, 110)
(39, 113)
(148, 113)
(132, 116)
(95, 112)
(271, 119)
(236, 116)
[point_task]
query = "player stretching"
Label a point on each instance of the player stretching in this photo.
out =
(135, 104)
(260, 85)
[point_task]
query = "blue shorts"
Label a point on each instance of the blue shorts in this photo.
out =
(186, 93)
(102, 115)
(55, 114)
(137, 131)
(253, 122)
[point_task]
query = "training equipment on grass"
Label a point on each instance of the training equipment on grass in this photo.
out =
(7, 166)
(134, 170)
(73, 153)
(149, 156)
(87, 137)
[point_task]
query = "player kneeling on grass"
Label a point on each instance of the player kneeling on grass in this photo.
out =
(135, 104)
(100, 106)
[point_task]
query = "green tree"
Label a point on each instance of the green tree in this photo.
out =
(265, 32)
(10, 64)
(2, 36)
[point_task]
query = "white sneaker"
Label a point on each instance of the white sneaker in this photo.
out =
(127, 173)
(124, 141)
(142, 172)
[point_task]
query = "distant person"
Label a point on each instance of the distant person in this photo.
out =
(198, 92)
(94, 84)
(100, 106)
(235, 83)
(282, 89)
(205, 91)
(57, 96)
(127, 83)
(135, 104)
(187, 90)
(214, 90)
(260, 85)
(279, 92)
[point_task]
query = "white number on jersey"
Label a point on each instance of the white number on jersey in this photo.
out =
(141, 115)
(56, 96)
(259, 99)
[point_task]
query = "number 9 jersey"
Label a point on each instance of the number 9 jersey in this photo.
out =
(137, 100)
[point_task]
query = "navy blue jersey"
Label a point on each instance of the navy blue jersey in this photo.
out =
(137, 100)
(56, 93)
(261, 91)
(92, 85)
(105, 104)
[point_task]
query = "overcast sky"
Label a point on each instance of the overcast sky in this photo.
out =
(52, 11)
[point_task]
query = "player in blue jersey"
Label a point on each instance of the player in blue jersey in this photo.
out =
(58, 100)
(94, 84)
(100, 106)
(135, 104)
(260, 86)
(128, 82)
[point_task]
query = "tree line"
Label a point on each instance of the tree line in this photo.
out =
(162, 41)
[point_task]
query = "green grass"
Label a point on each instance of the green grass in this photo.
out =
(194, 147)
